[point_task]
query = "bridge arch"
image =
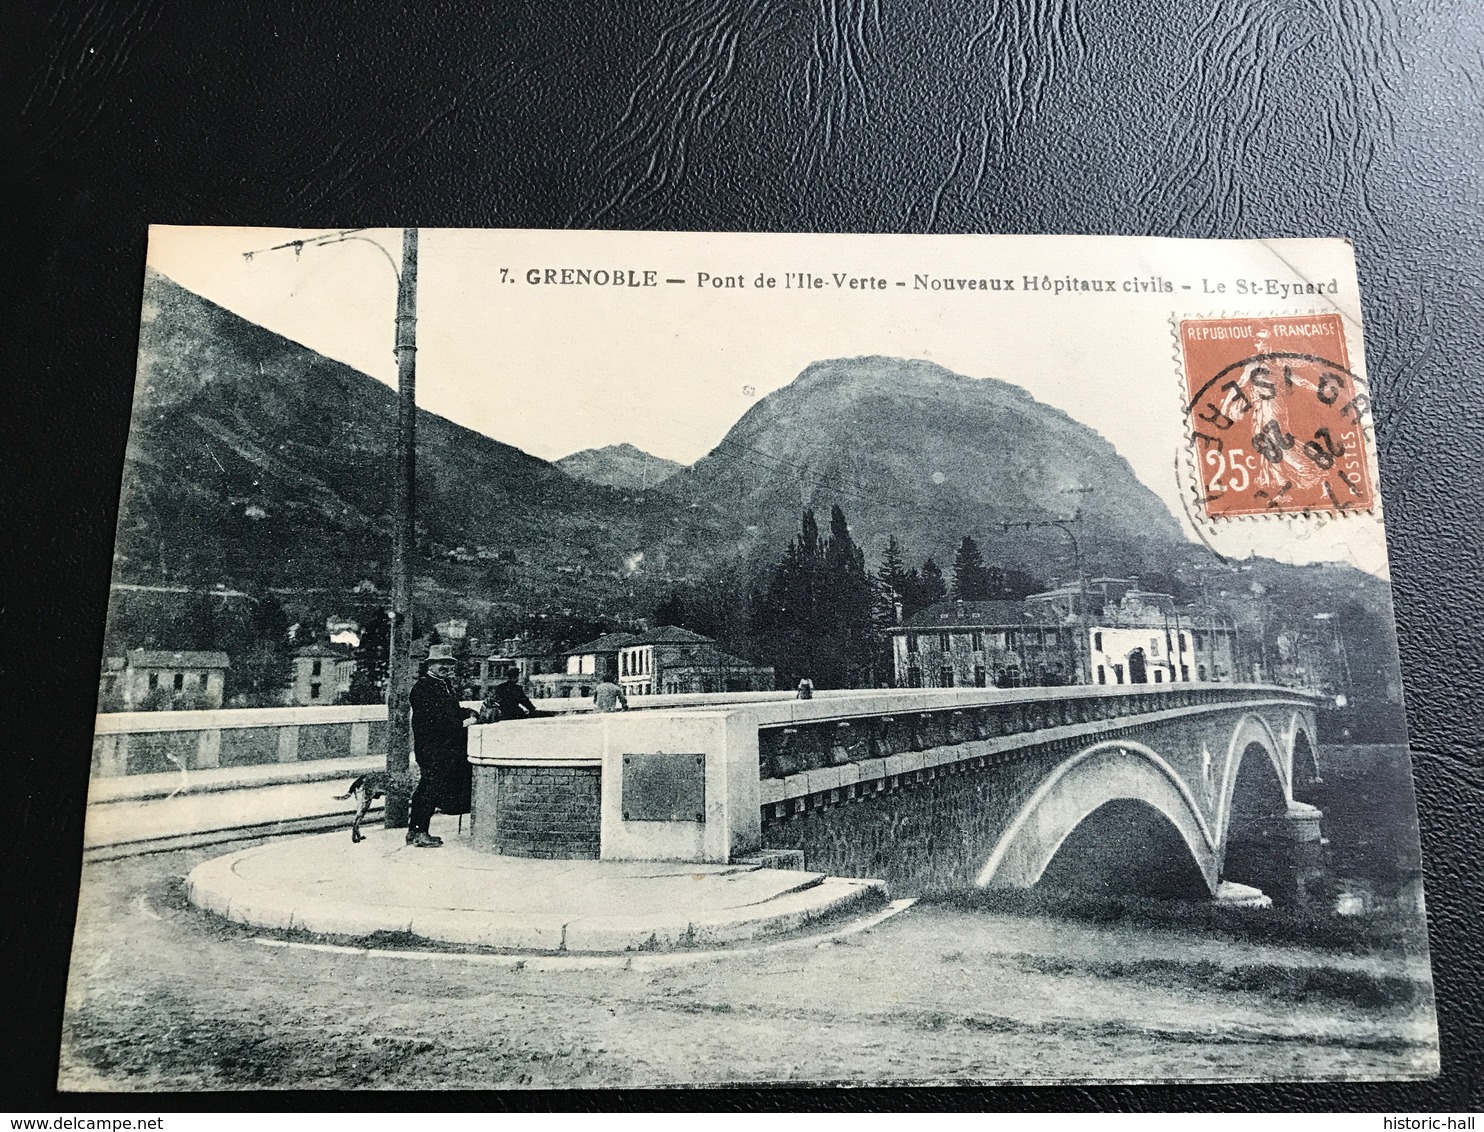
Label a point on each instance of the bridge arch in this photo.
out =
(1265, 781)
(1110, 772)
(1303, 760)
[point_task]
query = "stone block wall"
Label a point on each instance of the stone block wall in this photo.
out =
(927, 831)
(538, 811)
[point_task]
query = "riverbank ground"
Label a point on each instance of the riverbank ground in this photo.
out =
(166, 997)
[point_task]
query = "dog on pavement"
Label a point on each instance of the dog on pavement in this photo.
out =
(369, 787)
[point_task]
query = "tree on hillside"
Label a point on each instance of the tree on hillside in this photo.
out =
(1011, 585)
(260, 656)
(815, 618)
(309, 628)
(269, 621)
(715, 608)
(671, 611)
(930, 586)
(368, 682)
(259, 676)
(200, 627)
(892, 587)
(847, 596)
(971, 580)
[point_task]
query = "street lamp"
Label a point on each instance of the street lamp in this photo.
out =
(1341, 658)
(1068, 527)
(404, 503)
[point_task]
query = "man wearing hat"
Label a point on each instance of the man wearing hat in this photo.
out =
(438, 740)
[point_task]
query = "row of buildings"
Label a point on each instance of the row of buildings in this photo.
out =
(195, 679)
(667, 660)
(1106, 631)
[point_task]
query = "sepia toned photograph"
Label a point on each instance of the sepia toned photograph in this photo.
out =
(577, 659)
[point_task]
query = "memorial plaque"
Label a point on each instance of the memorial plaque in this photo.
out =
(664, 787)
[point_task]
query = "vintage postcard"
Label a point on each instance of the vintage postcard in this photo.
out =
(597, 659)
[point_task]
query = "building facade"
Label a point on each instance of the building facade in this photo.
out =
(587, 664)
(673, 661)
(1109, 633)
(157, 679)
(533, 657)
(491, 671)
(983, 644)
(322, 675)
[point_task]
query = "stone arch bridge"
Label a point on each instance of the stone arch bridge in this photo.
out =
(1127, 788)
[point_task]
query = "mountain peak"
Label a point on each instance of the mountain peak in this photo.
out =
(913, 449)
(901, 377)
(621, 466)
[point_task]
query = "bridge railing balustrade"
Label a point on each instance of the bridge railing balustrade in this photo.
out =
(795, 748)
(145, 742)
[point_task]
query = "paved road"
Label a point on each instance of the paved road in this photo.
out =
(164, 996)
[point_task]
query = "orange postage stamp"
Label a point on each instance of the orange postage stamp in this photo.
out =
(1276, 416)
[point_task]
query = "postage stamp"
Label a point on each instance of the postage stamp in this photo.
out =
(1276, 416)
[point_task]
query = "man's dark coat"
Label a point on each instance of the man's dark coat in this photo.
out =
(441, 743)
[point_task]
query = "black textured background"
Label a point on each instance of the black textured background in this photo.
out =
(1234, 119)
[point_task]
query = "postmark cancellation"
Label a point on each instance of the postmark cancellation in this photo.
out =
(1276, 416)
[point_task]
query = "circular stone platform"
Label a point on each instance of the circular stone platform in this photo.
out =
(457, 894)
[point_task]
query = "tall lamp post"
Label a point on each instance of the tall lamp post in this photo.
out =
(1070, 528)
(404, 531)
(404, 503)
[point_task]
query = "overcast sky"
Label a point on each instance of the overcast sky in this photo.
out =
(553, 369)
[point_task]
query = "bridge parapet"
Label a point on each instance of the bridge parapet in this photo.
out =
(145, 742)
(833, 734)
(701, 783)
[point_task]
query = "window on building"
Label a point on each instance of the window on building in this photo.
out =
(1118, 674)
(1185, 673)
(911, 642)
(314, 691)
(1200, 671)
(914, 677)
(945, 676)
(1097, 642)
(1102, 675)
(1159, 675)
(943, 641)
(154, 680)
(314, 669)
(978, 644)
(201, 681)
(980, 676)
(179, 682)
